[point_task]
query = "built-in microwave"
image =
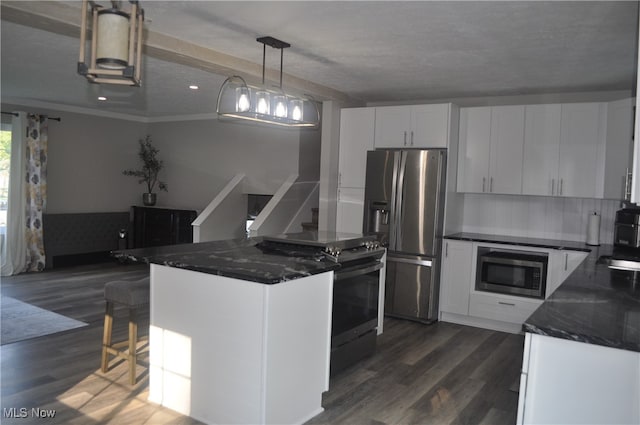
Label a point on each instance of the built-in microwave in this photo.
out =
(521, 273)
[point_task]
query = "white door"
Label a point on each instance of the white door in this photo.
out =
(507, 142)
(579, 142)
(350, 210)
(456, 280)
(429, 126)
(356, 138)
(541, 149)
(393, 126)
(473, 154)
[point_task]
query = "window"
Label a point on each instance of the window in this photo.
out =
(5, 168)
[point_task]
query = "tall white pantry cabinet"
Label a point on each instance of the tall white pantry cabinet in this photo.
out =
(356, 138)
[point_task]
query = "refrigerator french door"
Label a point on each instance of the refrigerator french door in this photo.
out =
(404, 203)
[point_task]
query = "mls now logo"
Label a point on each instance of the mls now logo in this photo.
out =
(23, 412)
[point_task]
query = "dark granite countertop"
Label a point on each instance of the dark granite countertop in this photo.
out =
(521, 241)
(239, 258)
(594, 305)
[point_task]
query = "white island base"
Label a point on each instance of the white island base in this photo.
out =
(226, 351)
(570, 382)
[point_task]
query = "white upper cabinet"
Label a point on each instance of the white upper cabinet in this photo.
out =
(581, 137)
(473, 151)
(356, 138)
(491, 148)
(412, 126)
(541, 148)
(507, 140)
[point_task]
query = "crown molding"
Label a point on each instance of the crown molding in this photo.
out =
(74, 109)
(59, 107)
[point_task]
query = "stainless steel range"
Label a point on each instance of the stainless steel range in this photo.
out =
(355, 288)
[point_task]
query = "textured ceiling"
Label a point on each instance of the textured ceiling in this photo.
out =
(372, 51)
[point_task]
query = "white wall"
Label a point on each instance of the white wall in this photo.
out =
(201, 156)
(86, 157)
(537, 216)
(87, 154)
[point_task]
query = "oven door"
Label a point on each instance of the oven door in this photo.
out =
(355, 300)
(514, 277)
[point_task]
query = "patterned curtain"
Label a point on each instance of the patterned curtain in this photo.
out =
(36, 190)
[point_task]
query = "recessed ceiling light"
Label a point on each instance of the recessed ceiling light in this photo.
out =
(102, 98)
(193, 87)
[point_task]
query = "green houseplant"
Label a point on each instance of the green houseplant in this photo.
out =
(151, 167)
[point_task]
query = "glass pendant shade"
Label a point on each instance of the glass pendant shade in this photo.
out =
(280, 106)
(113, 39)
(296, 111)
(243, 99)
(263, 102)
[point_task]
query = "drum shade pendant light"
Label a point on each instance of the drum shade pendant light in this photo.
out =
(266, 105)
(116, 43)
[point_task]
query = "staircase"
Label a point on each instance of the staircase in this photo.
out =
(313, 225)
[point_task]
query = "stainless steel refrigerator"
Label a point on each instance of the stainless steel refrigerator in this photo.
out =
(404, 205)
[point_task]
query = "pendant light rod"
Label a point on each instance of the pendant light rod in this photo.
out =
(264, 56)
(281, 59)
(276, 44)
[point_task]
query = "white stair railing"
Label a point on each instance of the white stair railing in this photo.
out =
(225, 216)
(287, 209)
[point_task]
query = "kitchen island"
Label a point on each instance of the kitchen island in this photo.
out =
(581, 360)
(238, 335)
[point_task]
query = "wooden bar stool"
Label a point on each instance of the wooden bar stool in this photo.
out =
(134, 295)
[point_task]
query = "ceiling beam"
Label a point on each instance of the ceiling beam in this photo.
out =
(63, 18)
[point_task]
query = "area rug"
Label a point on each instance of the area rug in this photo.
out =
(20, 321)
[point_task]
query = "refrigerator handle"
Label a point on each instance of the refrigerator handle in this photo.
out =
(393, 203)
(400, 200)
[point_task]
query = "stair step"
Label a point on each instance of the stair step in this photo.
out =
(309, 226)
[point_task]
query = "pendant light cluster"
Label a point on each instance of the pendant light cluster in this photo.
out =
(116, 43)
(237, 99)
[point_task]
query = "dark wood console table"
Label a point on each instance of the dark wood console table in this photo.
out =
(151, 226)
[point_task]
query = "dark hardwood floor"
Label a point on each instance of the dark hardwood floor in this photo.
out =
(438, 374)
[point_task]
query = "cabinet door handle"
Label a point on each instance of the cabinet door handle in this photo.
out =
(339, 179)
(504, 303)
(553, 185)
(483, 180)
(491, 185)
(405, 138)
(566, 261)
(446, 249)
(411, 138)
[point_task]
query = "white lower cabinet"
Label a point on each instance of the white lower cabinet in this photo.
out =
(561, 264)
(456, 278)
(503, 308)
(350, 210)
(461, 303)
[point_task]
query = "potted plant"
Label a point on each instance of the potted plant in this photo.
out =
(151, 166)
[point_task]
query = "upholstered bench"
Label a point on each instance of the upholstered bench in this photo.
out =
(133, 295)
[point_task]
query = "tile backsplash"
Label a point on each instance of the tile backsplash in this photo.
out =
(537, 216)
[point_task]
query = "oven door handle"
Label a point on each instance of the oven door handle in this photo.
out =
(356, 271)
